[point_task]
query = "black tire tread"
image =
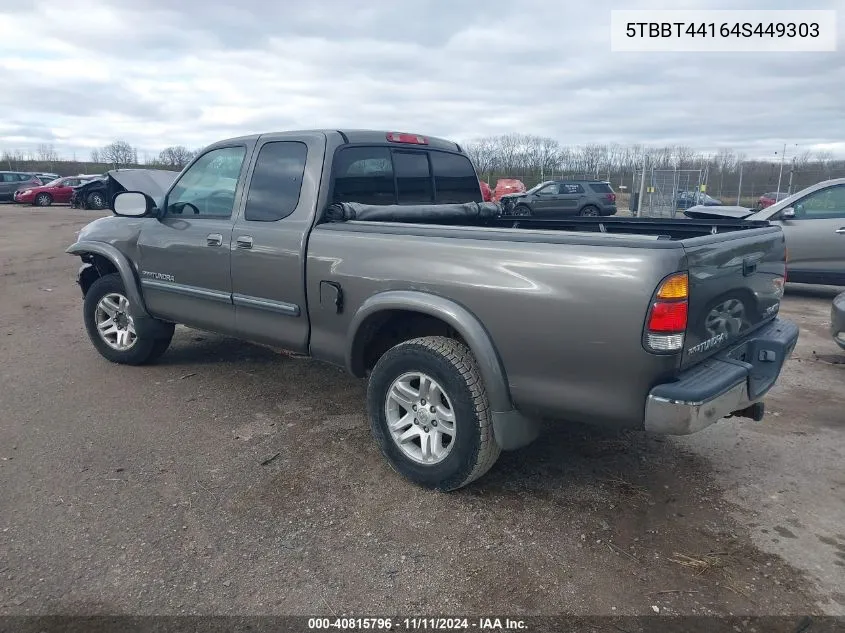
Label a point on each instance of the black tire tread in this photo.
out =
(463, 361)
(144, 351)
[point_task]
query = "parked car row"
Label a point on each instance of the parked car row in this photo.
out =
(58, 190)
(39, 188)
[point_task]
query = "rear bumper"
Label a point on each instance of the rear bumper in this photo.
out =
(837, 320)
(727, 384)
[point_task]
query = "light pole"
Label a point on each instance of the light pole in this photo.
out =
(780, 173)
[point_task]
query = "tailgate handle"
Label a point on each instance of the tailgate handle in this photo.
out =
(749, 266)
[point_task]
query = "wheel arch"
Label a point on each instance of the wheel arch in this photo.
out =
(377, 311)
(105, 259)
(38, 195)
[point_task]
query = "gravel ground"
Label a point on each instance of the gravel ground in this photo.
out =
(234, 479)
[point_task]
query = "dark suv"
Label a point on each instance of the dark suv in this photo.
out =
(562, 198)
(11, 181)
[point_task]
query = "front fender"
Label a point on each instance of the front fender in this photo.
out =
(124, 268)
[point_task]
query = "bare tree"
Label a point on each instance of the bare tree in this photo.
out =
(175, 156)
(95, 156)
(47, 153)
(119, 154)
(482, 154)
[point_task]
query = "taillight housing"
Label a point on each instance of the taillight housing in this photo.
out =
(611, 197)
(666, 322)
(402, 137)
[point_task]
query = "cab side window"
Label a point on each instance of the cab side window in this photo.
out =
(825, 203)
(208, 187)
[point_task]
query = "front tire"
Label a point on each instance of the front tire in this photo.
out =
(522, 210)
(430, 415)
(111, 328)
(43, 200)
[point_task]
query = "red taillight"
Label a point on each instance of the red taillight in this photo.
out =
(401, 137)
(611, 197)
(668, 317)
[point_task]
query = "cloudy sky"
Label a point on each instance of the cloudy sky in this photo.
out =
(79, 74)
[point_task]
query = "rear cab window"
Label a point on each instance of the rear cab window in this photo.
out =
(381, 175)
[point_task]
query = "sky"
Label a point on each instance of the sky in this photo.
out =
(79, 74)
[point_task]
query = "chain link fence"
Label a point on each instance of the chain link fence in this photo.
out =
(666, 191)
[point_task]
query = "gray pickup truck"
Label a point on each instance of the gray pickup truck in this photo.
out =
(374, 251)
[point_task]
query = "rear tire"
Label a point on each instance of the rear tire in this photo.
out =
(438, 433)
(111, 329)
(590, 211)
(43, 200)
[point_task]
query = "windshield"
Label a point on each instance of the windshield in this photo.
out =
(53, 183)
(536, 187)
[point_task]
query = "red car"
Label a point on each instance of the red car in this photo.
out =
(486, 192)
(58, 190)
(768, 199)
(505, 186)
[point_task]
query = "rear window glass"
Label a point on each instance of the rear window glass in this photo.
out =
(365, 175)
(413, 177)
(385, 175)
(601, 187)
(276, 181)
(454, 178)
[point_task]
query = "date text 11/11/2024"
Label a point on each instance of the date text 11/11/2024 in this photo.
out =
(418, 624)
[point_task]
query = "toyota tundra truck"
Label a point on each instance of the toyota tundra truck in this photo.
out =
(375, 251)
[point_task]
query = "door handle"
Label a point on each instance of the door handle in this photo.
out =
(214, 239)
(840, 231)
(244, 241)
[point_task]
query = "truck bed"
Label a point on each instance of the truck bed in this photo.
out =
(565, 300)
(489, 215)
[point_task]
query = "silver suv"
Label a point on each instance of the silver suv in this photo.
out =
(562, 198)
(11, 181)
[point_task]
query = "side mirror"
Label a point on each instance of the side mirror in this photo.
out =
(787, 214)
(133, 204)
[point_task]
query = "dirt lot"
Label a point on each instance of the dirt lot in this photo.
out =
(230, 478)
